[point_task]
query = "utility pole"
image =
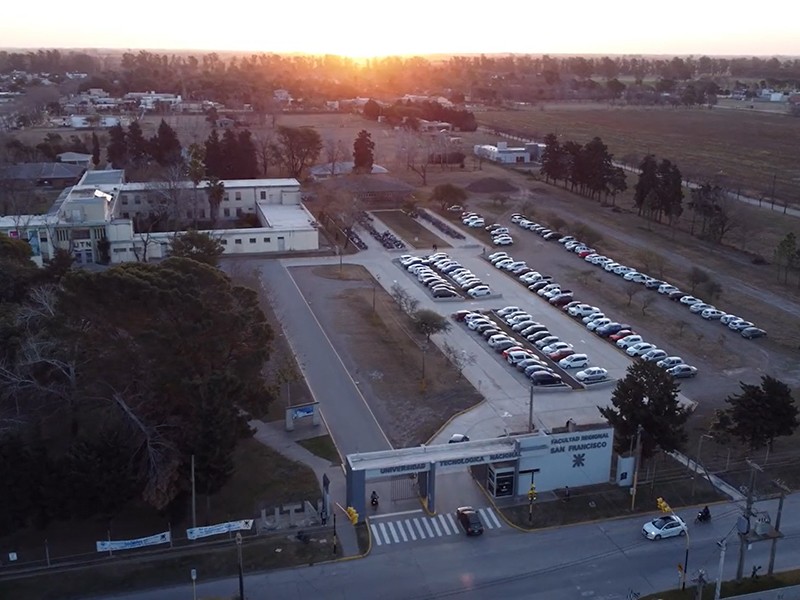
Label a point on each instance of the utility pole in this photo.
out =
(194, 498)
(723, 544)
(774, 546)
(748, 513)
(530, 411)
(636, 467)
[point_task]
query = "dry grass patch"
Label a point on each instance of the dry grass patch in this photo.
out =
(409, 230)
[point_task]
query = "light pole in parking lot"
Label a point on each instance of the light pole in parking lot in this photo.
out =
(697, 458)
(530, 411)
(374, 290)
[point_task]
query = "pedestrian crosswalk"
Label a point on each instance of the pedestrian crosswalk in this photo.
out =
(414, 528)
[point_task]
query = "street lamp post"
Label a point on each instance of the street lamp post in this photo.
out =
(193, 573)
(530, 411)
(697, 459)
(241, 570)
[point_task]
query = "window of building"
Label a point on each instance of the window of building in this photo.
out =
(238, 196)
(227, 198)
(124, 200)
(237, 241)
(137, 199)
(252, 240)
(202, 213)
(43, 238)
(266, 240)
(224, 242)
(263, 195)
(227, 212)
(126, 215)
(238, 211)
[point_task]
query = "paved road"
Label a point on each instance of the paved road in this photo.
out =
(349, 419)
(599, 561)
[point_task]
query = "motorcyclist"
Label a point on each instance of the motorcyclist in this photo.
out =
(374, 497)
(705, 514)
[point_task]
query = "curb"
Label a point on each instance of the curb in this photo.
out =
(453, 418)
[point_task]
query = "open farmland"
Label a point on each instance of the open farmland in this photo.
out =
(740, 150)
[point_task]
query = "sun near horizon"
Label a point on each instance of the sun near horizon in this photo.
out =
(363, 30)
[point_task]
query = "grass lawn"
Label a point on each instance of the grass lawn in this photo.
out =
(409, 230)
(703, 143)
(732, 588)
(218, 561)
(323, 447)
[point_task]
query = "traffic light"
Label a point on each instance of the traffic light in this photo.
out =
(663, 506)
(532, 493)
(352, 514)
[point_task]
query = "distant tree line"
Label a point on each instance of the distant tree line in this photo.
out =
(410, 113)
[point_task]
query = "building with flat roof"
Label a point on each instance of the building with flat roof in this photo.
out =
(104, 220)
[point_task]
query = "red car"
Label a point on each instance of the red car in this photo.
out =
(558, 355)
(512, 349)
(585, 253)
(621, 334)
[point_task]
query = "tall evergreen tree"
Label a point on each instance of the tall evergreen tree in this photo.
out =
(363, 152)
(247, 164)
(117, 149)
(230, 155)
(95, 150)
(138, 151)
(165, 147)
(648, 181)
(213, 156)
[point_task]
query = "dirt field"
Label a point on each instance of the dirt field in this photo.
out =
(744, 149)
(384, 355)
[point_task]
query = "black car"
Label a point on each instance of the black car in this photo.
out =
(539, 285)
(444, 294)
(750, 333)
(470, 520)
(611, 329)
(543, 378)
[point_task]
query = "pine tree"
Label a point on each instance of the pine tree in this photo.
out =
(363, 152)
(138, 151)
(117, 149)
(247, 165)
(213, 160)
(165, 147)
(95, 150)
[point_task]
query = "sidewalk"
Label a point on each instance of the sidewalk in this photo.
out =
(276, 437)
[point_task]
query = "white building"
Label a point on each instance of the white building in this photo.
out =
(102, 219)
(152, 100)
(501, 153)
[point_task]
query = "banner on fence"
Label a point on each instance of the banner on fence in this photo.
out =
(153, 540)
(194, 533)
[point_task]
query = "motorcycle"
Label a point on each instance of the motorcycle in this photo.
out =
(702, 517)
(374, 501)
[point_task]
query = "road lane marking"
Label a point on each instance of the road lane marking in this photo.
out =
(427, 524)
(384, 534)
(375, 534)
(435, 524)
(419, 528)
(452, 522)
(397, 514)
(402, 531)
(443, 521)
(410, 529)
(394, 533)
(485, 517)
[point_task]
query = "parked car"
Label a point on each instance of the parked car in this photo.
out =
(664, 527)
(654, 284)
(561, 299)
(726, 320)
(689, 300)
(522, 325)
(506, 310)
(533, 369)
(445, 294)
(470, 520)
(593, 316)
(666, 288)
(546, 341)
(700, 307)
(682, 371)
(621, 334)
(574, 361)
(544, 378)
(639, 349)
(504, 240)
(711, 314)
(503, 346)
(499, 338)
(611, 328)
(669, 362)
(559, 354)
(654, 355)
(532, 328)
(593, 325)
(591, 374)
(629, 341)
(751, 333)
(535, 337)
(740, 325)
(583, 310)
(481, 290)
(525, 363)
(555, 346)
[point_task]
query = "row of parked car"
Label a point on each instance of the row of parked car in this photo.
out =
(706, 310)
(473, 219)
(526, 223)
(500, 235)
(513, 350)
(386, 238)
(594, 319)
(442, 226)
(445, 277)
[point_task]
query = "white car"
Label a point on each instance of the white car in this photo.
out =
(670, 361)
(473, 324)
(555, 347)
(664, 527)
(497, 255)
(591, 374)
(481, 290)
(700, 307)
(727, 319)
(514, 265)
(654, 355)
(518, 356)
(635, 277)
(689, 300)
(592, 316)
(499, 338)
(629, 340)
(712, 314)
(623, 270)
(640, 349)
(503, 262)
(583, 310)
(682, 371)
(530, 277)
(565, 239)
(666, 288)
(503, 240)
(575, 361)
(593, 325)
(507, 310)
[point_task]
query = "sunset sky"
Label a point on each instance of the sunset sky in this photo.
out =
(373, 28)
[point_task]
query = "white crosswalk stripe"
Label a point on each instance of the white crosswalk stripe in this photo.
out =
(399, 531)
